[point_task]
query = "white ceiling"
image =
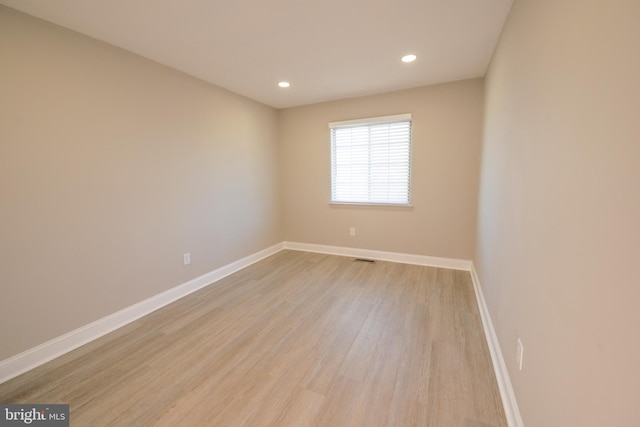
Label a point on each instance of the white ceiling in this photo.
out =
(327, 49)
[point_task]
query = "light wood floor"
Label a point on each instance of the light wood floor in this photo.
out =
(298, 339)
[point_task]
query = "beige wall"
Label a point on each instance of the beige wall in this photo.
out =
(111, 167)
(447, 130)
(559, 216)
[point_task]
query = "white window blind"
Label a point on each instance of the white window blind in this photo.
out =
(370, 160)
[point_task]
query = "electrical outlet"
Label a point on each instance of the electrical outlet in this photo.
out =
(186, 258)
(352, 231)
(519, 354)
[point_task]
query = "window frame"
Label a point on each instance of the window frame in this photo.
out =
(370, 121)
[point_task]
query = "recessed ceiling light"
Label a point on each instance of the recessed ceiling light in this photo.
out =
(409, 58)
(284, 84)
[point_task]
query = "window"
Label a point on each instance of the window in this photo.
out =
(370, 160)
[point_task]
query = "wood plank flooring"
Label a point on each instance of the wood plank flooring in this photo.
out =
(298, 339)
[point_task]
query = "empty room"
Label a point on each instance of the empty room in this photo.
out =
(337, 213)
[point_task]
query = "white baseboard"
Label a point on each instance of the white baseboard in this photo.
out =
(514, 419)
(49, 350)
(36, 356)
(502, 375)
(451, 263)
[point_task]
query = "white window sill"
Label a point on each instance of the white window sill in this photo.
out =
(370, 204)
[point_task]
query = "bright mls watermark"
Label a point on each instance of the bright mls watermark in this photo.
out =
(34, 415)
